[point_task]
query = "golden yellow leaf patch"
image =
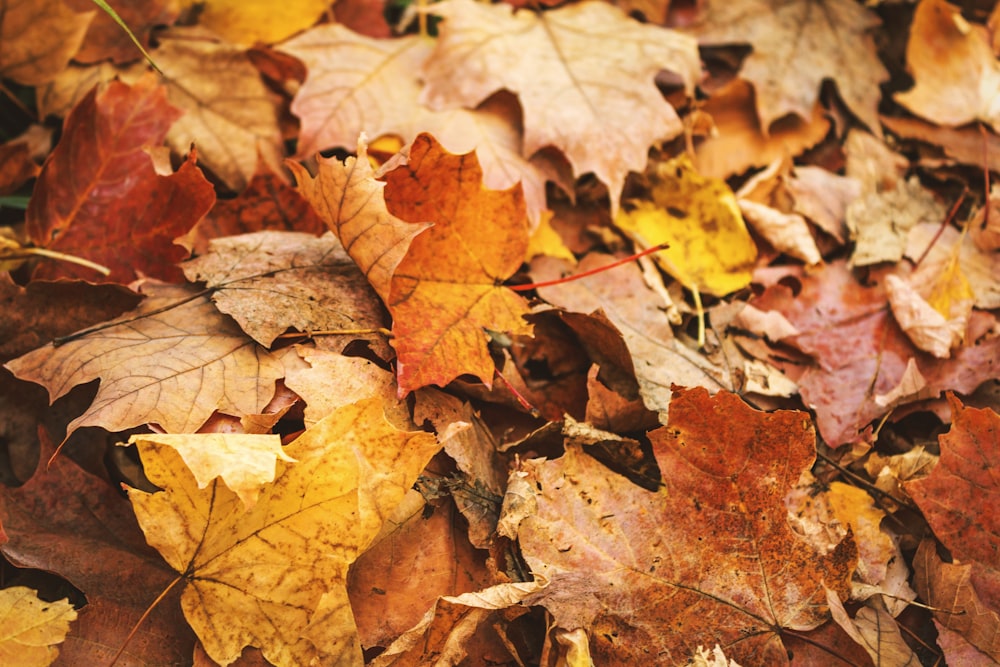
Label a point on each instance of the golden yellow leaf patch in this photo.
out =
(710, 247)
(274, 576)
(29, 627)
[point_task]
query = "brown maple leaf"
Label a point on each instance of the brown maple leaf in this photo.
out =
(447, 291)
(708, 559)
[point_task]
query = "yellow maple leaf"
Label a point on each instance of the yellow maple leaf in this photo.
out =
(29, 627)
(710, 247)
(274, 576)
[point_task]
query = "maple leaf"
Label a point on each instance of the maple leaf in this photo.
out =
(31, 627)
(351, 202)
(231, 116)
(67, 520)
(358, 84)
(271, 281)
(447, 289)
(796, 45)
(584, 75)
(172, 361)
(39, 37)
(99, 197)
(962, 480)
(956, 73)
(739, 142)
(275, 576)
(708, 559)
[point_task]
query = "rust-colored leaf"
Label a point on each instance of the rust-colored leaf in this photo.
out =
(446, 292)
(100, 198)
(708, 559)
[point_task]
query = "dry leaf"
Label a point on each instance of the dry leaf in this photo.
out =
(709, 559)
(251, 21)
(583, 74)
(39, 37)
(447, 289)
(351, 202)
(957, 76)
(31, 627)
(172, 368)
(275, 576)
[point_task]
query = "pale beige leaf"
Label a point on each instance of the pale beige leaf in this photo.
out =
(879, 221)
(244, 462)
(172, 368)
(332, 380)
(584, 74)
(360, 84)
(927, 328)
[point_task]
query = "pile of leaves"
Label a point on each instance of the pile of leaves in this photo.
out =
(325, 342)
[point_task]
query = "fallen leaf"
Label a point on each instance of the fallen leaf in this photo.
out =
(39, 37)
(962, 481)
(957, 651)
(710, 249)
(447, 289)
(268, 203)
(16, 167)
(230, 116)
(764, 202)
(172, 368)
(244, 462)
(929, 329)
(351, 202)
(99, 197)
(272, 281)
(962, 144)
(948, 588)
(787, 70)
(823, 198)
(709, 559)
(250, 21)
(956, 75)
(333, 380)
(874, 629)
(880, 221)
(584, 75)
(31, 627)
(275, 576)
(979, 267)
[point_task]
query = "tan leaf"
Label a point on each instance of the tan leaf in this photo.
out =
(957, 76)
(926, 327)
(879, 221)
(231, 117)
(271, 281)
(787, 69)
(39, 37)
(172, 368)
(351, 202)
(333, 380)
(584, 74)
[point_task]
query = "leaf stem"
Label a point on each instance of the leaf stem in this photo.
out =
(145, 615)
(599, 269)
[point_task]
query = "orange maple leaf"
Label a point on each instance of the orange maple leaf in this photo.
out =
(447, 289)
